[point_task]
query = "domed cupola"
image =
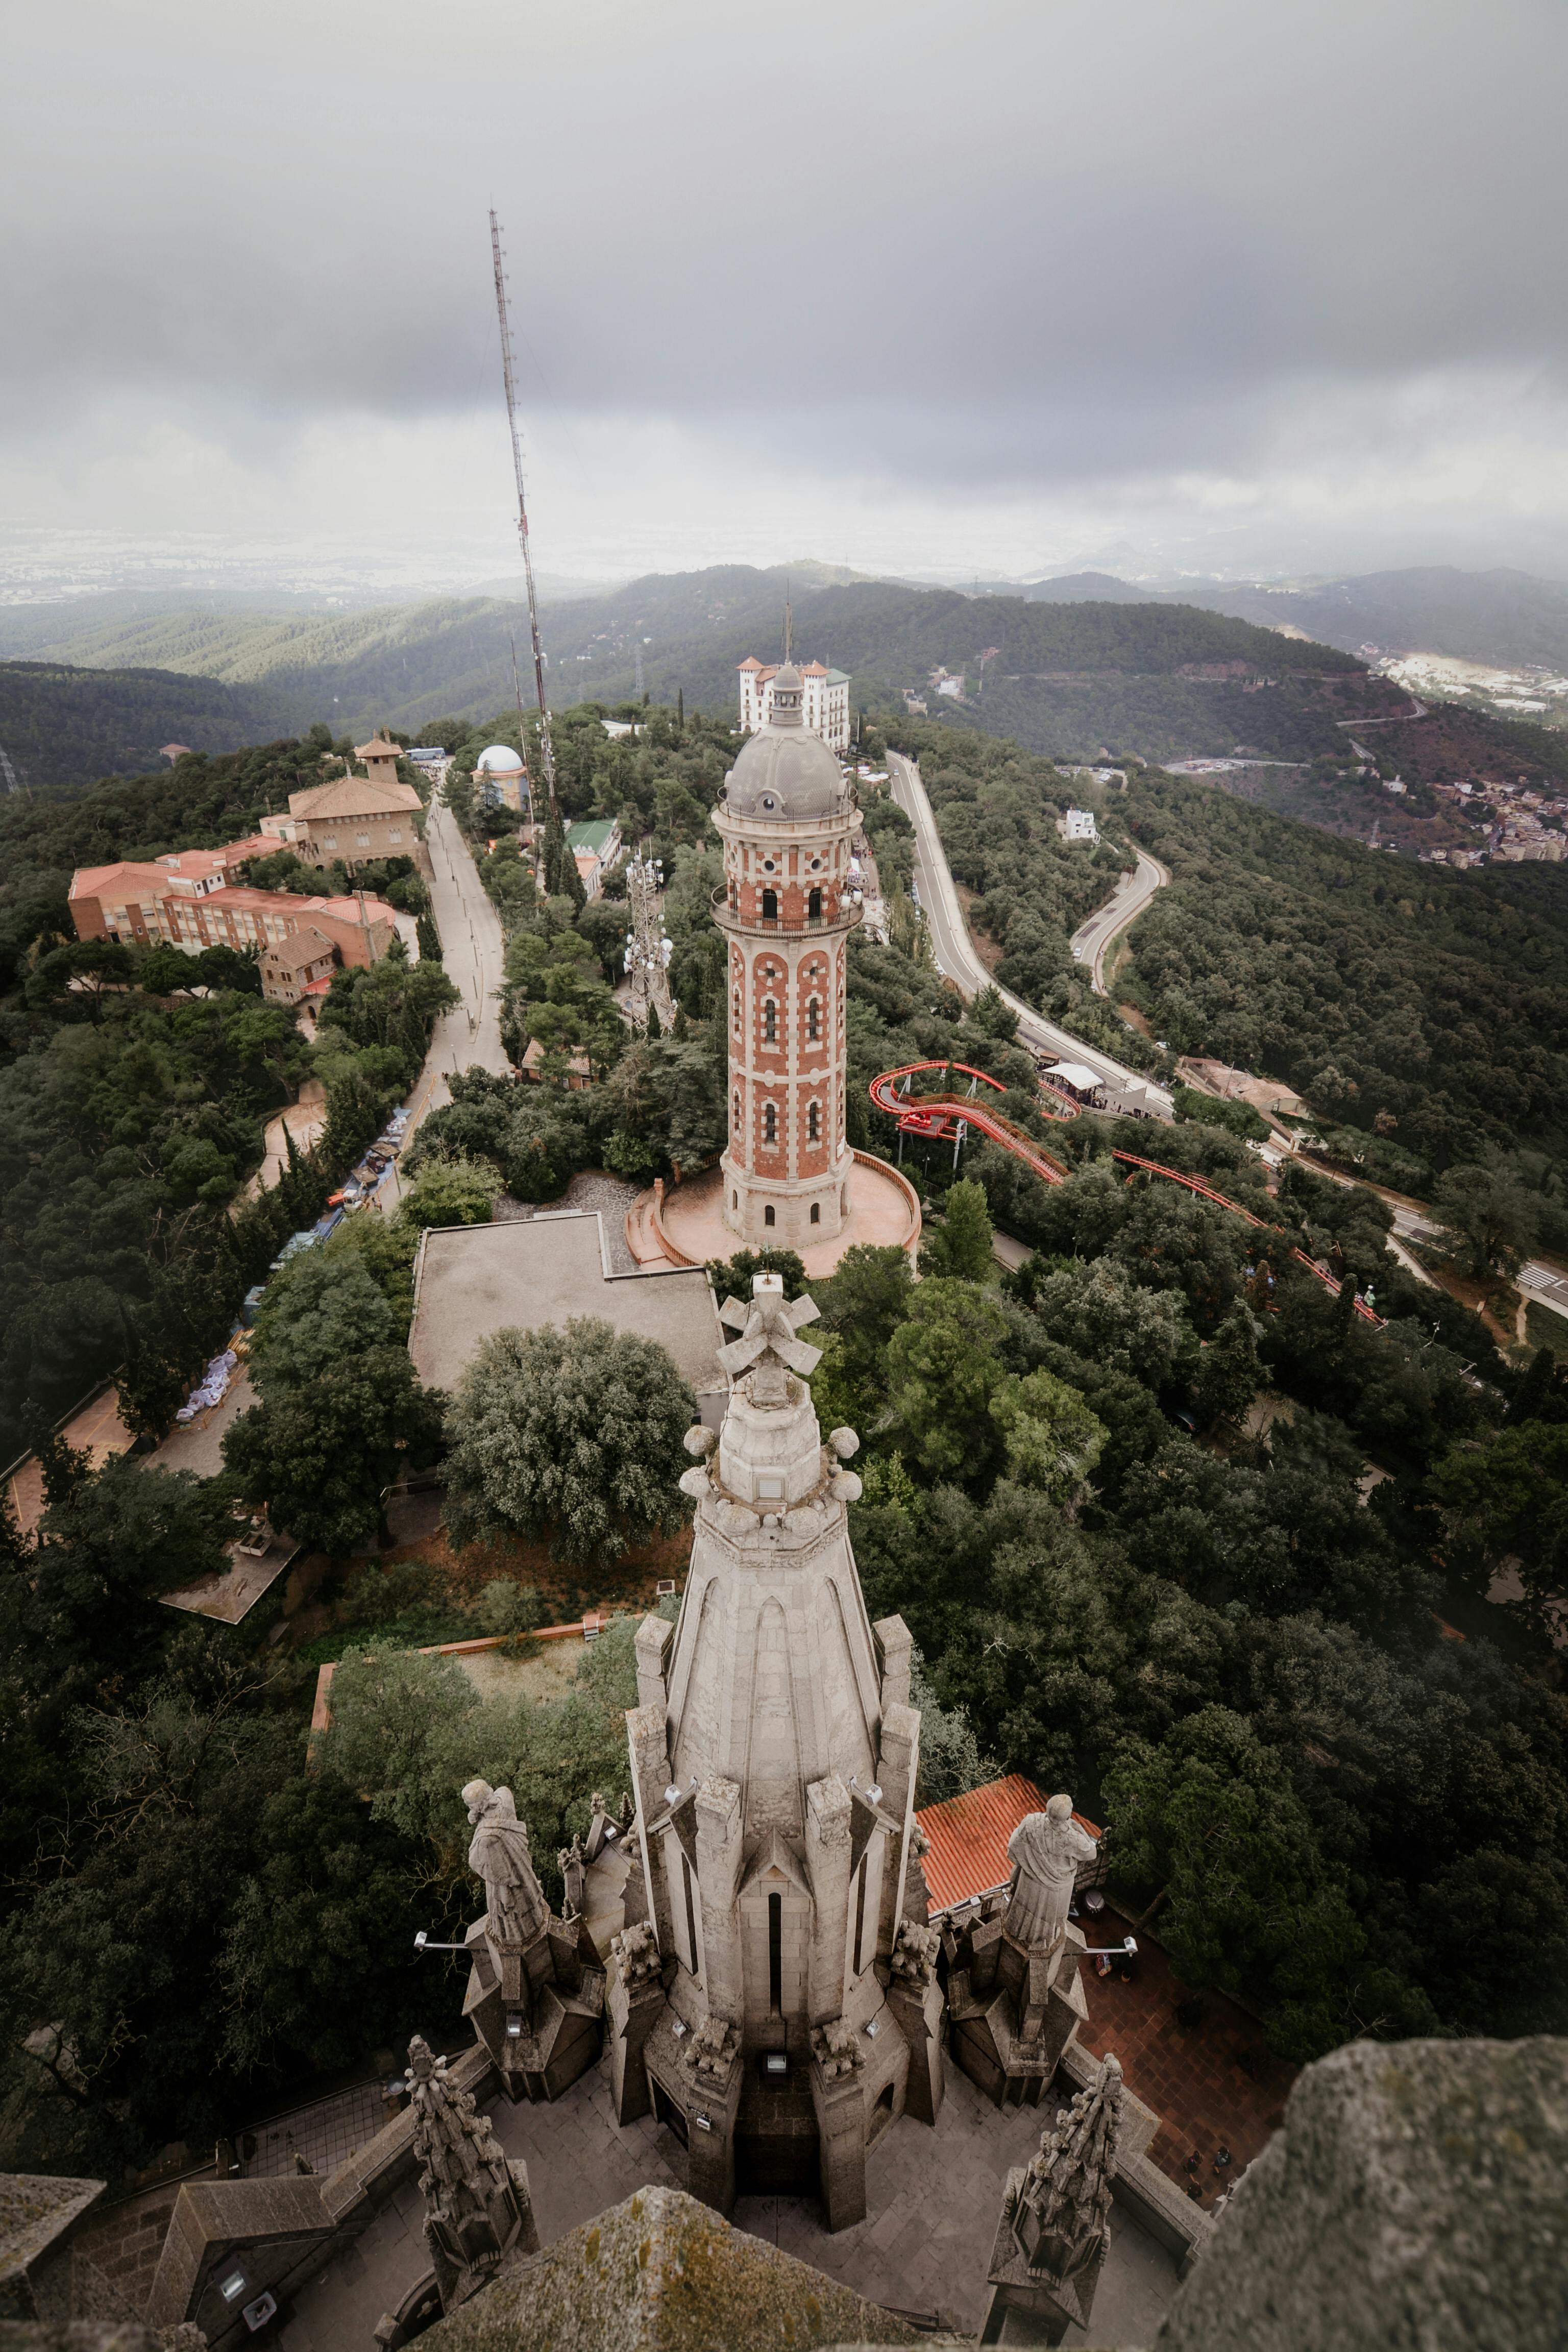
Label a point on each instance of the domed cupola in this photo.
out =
(784, 772)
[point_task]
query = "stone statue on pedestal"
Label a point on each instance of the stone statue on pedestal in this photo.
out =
(1045, 1850)
(536, 1987)
(499, 1853)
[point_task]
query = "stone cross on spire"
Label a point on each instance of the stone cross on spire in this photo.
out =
(767, 1326)
(478, 2209)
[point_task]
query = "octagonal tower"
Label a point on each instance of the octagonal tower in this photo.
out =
(787, 821)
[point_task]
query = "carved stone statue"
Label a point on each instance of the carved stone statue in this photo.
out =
(1045, 1850)
(499, 1853)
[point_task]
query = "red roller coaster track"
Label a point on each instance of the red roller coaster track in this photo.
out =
(939, 1114)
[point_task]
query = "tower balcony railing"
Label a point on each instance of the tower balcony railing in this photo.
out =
(730, 918)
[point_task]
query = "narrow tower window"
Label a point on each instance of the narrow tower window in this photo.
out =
(691, 1911)
(769, 1023)
(770, 906)
(768, 1214)
(814, 1123)
(814, 1021)
(775, 1953)
(770, 1123)
(813, 906)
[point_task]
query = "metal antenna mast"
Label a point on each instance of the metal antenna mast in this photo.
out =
(509, 371)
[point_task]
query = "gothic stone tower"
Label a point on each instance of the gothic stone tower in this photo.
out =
(777, 2008)
(787, 820)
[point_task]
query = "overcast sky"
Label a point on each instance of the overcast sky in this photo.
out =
(1236, 285)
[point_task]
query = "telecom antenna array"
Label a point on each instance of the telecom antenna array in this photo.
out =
(508, 372)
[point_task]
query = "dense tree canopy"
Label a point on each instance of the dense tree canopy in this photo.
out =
(575, 1433)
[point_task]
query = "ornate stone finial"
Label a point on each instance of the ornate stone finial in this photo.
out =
(637, 1954)
(1060, 2213)
(836, 2048)
(1045, 1850)
(714, 2048)
(767, 1343)
(476, 2206)
(499, 1853)
(914, 1952)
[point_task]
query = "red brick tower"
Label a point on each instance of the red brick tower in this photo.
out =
(786, 820)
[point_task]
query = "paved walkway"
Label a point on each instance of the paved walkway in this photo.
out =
(934, 2199)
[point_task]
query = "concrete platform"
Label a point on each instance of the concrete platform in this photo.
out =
(471, 1280)
(687, 1225)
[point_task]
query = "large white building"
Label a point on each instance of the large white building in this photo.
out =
(825, 700)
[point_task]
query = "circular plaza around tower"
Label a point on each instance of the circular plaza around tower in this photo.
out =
(685, 1225)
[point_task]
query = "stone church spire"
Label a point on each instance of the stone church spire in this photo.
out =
(774, 1754)
(1055, 2229)
(477, 2209)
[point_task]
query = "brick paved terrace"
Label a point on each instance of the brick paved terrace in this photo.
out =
(1213, 2083)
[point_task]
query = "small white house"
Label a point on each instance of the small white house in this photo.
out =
(1079, 824)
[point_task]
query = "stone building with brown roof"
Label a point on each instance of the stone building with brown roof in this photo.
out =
(352, 818)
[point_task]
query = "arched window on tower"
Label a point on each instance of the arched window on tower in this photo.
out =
(814, 1123)
(770, 906)
(813, 906)
(770, 1123)
(769, 1023)
(814, 1021)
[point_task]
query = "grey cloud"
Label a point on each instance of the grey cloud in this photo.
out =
(1029, 241)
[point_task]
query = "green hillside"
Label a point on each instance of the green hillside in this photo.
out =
(1164, 681)
(60, 725)
(1066, 675)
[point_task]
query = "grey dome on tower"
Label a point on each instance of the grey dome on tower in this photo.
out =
(782, 771)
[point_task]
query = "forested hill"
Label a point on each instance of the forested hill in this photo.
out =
(60, 725)
(1163, 679)
(1071, 677)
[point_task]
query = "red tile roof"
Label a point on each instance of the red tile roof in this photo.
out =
(969, 1838)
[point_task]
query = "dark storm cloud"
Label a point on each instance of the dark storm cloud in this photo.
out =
(1026, 242)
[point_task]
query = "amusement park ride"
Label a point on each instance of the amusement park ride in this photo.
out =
(946, 1113)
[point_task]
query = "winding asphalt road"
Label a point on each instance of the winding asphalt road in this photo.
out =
(1125, 904)
(955, 955)
(473, 949)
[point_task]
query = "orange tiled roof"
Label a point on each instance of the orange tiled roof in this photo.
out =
(92, 881)
(969, 1838)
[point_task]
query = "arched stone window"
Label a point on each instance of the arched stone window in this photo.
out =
(814, 1123)
(816, 1212)
(770, 906)
(770, 1123)
(813, 906)
(770, 1022)
(814, 1021)
(767, 1220)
